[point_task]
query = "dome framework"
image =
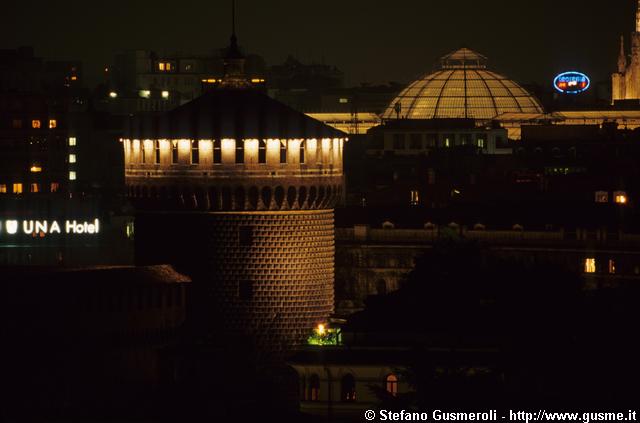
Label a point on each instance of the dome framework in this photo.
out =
(463, 87)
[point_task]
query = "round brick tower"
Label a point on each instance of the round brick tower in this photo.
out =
(241, 188)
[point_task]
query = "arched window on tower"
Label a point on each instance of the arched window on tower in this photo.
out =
(195, 152)
(174, 152)
(239, 151)
(391, 384)
(348, 388)
(217, 152)
(283, 151)
(313, 393)
(302, 152)
(262, 152)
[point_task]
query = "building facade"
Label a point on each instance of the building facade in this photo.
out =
(625, 83)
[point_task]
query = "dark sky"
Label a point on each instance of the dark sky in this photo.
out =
(372, 41)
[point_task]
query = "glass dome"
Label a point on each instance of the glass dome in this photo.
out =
(463, 87)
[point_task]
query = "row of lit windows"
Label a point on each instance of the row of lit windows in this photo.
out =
(165, 66)
(35, 123)
(619, 197)
(147, 94)
(590, 266)
(19, 188)
(348, 393)
(215, 149)
(418, 141)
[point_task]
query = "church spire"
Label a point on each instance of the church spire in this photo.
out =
(234, 76)
(622, 58)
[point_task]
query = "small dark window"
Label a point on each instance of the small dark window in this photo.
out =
(245, 235)
(431, 140)
(313, 393)
(195, 152)
(157, 146)
(416, 141)
(348, 388)
(217, 152)
(398, 142)
(245, 290)
(262, 152)
(377, 142)
(239, 151)
(302, 152)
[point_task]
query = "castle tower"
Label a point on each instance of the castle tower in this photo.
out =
(239, 190)
(625, 83)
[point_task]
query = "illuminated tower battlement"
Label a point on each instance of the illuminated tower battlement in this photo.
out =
(247, 187)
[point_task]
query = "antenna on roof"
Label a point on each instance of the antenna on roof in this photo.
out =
(233, 18)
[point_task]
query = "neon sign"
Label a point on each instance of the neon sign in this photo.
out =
(42, 228)
(571, 82)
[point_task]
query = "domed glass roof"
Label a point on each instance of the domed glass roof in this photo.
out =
(462, 88)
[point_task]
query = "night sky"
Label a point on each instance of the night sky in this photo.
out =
(369, 40)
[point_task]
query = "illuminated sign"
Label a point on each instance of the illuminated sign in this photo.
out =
(571, 82)
(42, 228)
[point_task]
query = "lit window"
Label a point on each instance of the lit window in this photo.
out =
(17, 188)
(72, 158)
(74, 78)
(35, 124)
(391, 384)
(165, 94)
(168, 66)
(55, 187)
(602, 197)
(113, 94)
(35, 188)
(145, 93)
(620, 197)
(612, 266)
(344, 100)
(53, 123)
(590, 265)
(35, 168)
(3, 188)
(161, 66)
(72, 141)
(415, 198)
(73, 175)
(16, 124)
